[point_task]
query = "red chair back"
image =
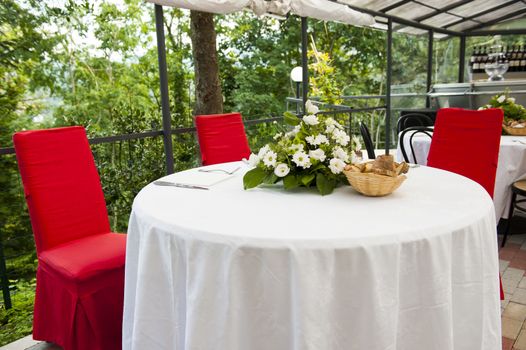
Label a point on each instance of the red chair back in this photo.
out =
(221, 138)
(61, 184)
(467, 142)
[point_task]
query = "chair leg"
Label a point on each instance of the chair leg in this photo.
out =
(510, 215)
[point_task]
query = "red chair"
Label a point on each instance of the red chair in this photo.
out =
(221, 138)
(80, 275)
(467, 142)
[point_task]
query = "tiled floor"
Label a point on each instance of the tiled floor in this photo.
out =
(512, 268)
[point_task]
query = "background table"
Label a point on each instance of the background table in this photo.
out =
(268, 269)
(510, 168)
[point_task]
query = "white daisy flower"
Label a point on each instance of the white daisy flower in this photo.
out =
(320, 138)
(336, 165)
(263, 150)
(311, 108)
(296, 147)
(311, 140)
(501, 98)
(311, 119)
(270, 159)
(318, 154)
(330, 121)
(301, 159)
(341, 154)
(341, 137)
(511, 99)
(281, 170)
(253, 160)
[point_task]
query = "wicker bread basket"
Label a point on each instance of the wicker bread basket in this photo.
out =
(374, 185)
(514, 131)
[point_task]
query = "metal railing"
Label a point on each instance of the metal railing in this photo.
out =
(114, 141)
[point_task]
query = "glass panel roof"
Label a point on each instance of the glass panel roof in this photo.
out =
(441, 20)
(474, 7)
(376, 5)
(463, 25)
(438, 4)
(410, 11)
(499, 13)
(441, 13)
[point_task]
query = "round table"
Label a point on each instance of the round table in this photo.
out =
(231, 269)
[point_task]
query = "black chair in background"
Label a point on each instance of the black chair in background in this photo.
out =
(366, 136)
(413, 119)
(409, 134)
(518, 188)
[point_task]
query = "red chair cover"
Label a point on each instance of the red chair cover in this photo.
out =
(80, 275)
(467, 142)
(221, 138)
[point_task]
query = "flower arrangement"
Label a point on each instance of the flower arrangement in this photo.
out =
(514, 114)
(313, 153)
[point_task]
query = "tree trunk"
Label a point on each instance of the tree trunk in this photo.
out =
(209, 98)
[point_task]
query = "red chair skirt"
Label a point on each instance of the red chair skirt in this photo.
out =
(79, 315)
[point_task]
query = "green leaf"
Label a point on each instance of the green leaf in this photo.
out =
(290, 119)
(270, 178)
(290, 181)
(306, 180)
(254, 178)
(324, 185)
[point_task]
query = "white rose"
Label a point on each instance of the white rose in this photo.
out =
(270, 159)
(311, 108)
(501, 99)
(511, 99)
(336, 165)
(253, 160)
(281, 170)
(310, 119)
(318, 154)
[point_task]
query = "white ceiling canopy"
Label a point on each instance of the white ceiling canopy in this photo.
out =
(319, 9)
(213, 6)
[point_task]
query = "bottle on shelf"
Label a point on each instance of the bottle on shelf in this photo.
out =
(522, 66)
(483, 60)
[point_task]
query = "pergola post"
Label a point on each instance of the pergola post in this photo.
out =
(304, 61)
(389, 54)
(461, 59)
(429, 66)
(165, 100)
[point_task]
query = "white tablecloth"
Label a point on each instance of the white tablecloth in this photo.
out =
(510, 168)
(265, 269)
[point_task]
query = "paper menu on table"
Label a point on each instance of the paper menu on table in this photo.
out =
(197, 178)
